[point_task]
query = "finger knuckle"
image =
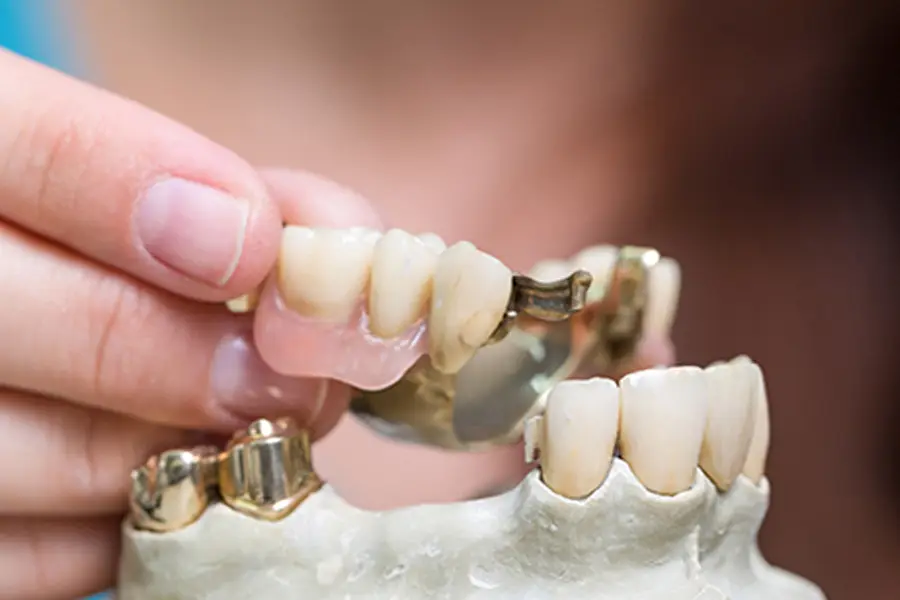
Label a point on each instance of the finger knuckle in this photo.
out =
(120, 314)
(48, 158)
(84, 468)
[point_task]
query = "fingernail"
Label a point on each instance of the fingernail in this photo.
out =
(194, 229)
(243, 385)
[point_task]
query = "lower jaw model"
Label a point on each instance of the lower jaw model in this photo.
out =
(650, 487)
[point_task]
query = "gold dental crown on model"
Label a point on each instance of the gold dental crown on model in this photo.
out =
(265, 473)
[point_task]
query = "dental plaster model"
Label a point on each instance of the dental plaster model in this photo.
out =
(674, 516)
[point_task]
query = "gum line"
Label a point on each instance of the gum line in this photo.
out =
(297, 346)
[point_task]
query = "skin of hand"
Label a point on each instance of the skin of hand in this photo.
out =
(745, 139)
(121, 234)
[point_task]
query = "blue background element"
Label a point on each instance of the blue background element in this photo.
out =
(36, 29)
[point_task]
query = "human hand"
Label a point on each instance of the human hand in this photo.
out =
(121, 234)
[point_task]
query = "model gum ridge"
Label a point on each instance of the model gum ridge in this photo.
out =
(650, 488)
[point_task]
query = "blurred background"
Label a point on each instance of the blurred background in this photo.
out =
(756, 142)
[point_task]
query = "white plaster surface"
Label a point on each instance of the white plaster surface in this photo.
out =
(622, 542)
(729, 552)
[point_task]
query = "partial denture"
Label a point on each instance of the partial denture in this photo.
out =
(636, 293)
(363, 307)
(403, 269)
(393, 285)
(420, 329)
(323, 273)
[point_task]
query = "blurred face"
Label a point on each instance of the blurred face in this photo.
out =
(709, 130)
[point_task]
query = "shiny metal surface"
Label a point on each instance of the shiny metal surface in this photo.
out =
(171, 491)
(265, 473)
(551, 333)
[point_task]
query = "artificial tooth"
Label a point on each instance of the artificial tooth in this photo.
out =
(402, 270)
(580, 426)
(433, 241)
(730, 421)
(322, 273)
(171, 491)
(246, 303)
(469, 300)
(663, 290)
(550, 270)
(755, 466)
(266, 472)
(663, 419)
(599, 262)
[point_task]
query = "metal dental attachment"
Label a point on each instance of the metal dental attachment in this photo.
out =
(265, 473)
(267, 470)
(551, 331)
(616, 322)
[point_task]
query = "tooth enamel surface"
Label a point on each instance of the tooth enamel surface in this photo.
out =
(663, 290)
(621, 543)
(469, 298)
(755, 466)
(581, 423)
(599, 262)
(551, 270)
(663, 420)
(400, 287)
(433, 241)
(730, 421)
(244, 304)
(323, 273)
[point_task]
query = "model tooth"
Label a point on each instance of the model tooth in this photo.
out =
(599, 262)
(730, 421)
(322, 273)
(581, 423)
(663, 290)
(433, 241)
(551, 270)
(400, 287)
(755, 466)
(246, 303)
(469, 299)
(663, 419)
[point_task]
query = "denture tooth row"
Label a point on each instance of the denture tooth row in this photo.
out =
(462, 294)
(664, 422)
(265, 473)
